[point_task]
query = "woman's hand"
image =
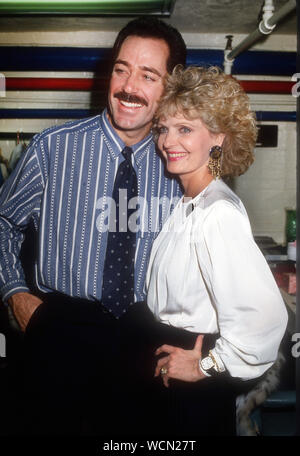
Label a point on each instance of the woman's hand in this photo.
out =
(180, 364)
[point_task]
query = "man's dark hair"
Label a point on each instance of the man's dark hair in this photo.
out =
(151, 27)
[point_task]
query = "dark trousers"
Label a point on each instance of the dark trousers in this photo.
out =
(87, 373)
(206, 407)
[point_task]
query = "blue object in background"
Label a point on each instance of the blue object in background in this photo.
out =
(29, 58)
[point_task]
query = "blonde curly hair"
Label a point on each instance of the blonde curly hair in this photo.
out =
(222, 105)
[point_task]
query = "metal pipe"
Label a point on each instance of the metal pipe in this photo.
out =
(265, 27)
(282, 12)
(228, 63)
(268, 10)
(245, 44)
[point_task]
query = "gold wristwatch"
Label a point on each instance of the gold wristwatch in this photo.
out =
(209, 366)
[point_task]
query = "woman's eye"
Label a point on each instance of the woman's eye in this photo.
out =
(161, 130)
(185, 130)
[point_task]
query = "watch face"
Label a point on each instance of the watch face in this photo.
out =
(207, 363)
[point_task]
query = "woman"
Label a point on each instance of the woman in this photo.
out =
(221, 316)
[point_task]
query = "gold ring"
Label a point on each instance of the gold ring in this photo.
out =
(163, 371)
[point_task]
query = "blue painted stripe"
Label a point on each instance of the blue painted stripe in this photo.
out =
(285, 116)
(250, 62)
(47, 113)
(26, 58)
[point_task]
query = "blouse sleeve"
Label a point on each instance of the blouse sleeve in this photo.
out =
(251, 314)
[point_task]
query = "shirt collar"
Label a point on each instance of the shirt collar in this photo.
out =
(115, 144)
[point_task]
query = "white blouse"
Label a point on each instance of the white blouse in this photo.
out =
(207, 275)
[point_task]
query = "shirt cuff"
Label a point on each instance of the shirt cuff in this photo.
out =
(218, 360)
(11, 288)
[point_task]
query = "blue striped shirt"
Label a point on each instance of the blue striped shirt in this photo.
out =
(63, 183)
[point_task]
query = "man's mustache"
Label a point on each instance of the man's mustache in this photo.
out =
(123, 96)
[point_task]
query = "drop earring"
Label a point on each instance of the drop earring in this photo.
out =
(214, 162)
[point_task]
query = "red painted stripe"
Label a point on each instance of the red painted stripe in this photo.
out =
(55, 84)
(283, 87)
(267, 86)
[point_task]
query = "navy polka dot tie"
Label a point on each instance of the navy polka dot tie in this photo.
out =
(118, 274)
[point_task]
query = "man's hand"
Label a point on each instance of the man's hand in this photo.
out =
(23, 305)
(180, 364)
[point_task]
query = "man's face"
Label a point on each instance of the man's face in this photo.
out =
(136, 85)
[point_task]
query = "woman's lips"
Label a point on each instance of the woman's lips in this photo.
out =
(175, 156)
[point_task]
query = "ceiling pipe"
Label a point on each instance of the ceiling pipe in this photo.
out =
(268, 9)
(265, 27)
(228, 63)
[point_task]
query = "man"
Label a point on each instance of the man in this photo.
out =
(86, 321)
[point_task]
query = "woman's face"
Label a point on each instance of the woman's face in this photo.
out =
(185, 144)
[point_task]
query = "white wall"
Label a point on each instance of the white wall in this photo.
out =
(269, 186)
